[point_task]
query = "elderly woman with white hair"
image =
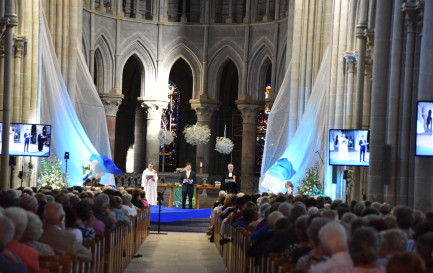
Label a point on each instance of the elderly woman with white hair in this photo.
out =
(8, 262)
(28, 255)
(33, 232)
(128, 206)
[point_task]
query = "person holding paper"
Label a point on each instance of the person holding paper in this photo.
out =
(149, 183)
(231, 181)
(188, 179)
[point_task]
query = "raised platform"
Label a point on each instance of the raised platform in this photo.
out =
(173, 214)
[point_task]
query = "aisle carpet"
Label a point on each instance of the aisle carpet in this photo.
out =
(173, 214)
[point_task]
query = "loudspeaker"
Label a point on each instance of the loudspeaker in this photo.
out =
(346, 174)
(386, 173)
(66, 155)
(12, 160)
(334, 174)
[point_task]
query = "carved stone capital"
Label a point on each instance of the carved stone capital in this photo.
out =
(111, 103)
(19, 46)
(411, 11)
(250, 110)
(351, 61)
(153, 107)
(204, 109)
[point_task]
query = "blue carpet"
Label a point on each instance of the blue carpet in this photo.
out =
(173, 214)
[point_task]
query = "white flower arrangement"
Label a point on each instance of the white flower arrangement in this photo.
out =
(165, 137)
(52, 175)
(197, 134)
(224, 145)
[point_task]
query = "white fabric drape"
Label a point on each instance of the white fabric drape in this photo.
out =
(68, 134)
(303, 149)
(89, 108)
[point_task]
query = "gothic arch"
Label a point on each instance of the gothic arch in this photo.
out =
(258, 67)
(103, 65)
(143, 42)
(216, 65)
(149, 69)
(181, 51)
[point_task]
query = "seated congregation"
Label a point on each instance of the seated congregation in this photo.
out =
(285, 233)
(71, 230)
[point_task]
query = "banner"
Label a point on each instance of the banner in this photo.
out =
(177, 198)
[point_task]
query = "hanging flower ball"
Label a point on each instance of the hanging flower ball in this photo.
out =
(165, 137)
(224, 145)
(197, 134)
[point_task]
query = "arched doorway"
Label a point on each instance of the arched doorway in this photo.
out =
(130, 124)
(230, 117)
(181, 76)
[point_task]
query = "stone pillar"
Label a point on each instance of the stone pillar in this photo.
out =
(17, 90)
(410, 11)
(154, 111)
(111, 104)
(266, 16)
(229, 19)
(205, 111)
(350, 104)
(247, 17)
(423, 165)
(378, 100)
(137, 9)
(183, 18)
(249, 110)
(361, 44)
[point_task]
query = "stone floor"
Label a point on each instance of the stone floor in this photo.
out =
(177, 252)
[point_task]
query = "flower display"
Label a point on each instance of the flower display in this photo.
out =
(224, 145)
(165, 137)
(52, 175)
(197, 134)
(310, 185)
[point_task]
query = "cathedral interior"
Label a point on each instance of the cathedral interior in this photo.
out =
(271, 75)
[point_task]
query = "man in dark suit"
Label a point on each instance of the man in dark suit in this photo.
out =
(231, 181)
(362, 145)
(188, 179)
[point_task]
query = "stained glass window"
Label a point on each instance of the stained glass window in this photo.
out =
(170, 121)
(262, 125)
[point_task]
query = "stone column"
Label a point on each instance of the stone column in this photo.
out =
(183, 18)
(249, 110)
(229, 19)
(423, 165)
(137, 9)
(111, 104)
(378, 100)
(410, 11)
(266, 17)
(350, 71)
(154, 111)
(17, 90)
(361, 44)
(205, 110)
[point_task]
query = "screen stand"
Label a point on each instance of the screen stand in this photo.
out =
(12, 163)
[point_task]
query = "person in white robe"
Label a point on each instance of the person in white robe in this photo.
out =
(149, 183)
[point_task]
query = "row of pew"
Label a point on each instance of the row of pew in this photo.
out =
(235, 255)
(111, 253)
